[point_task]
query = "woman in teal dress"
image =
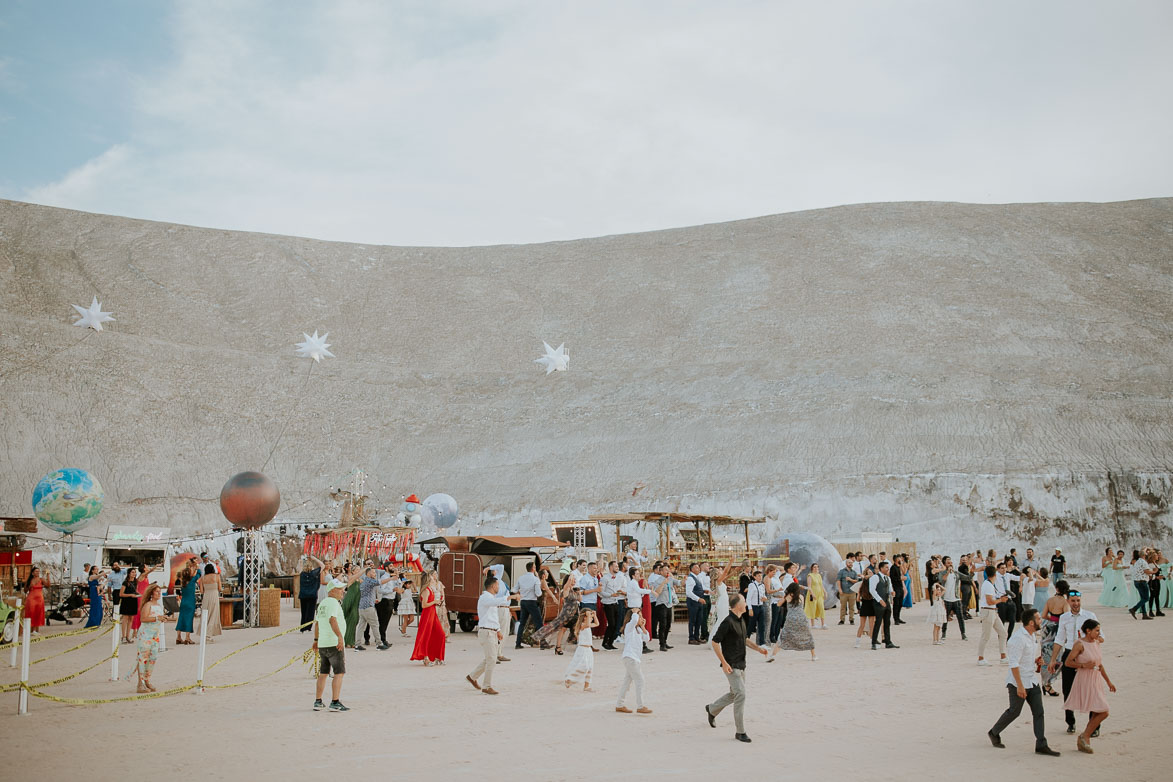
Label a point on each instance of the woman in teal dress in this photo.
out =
(185, 624)
(1166, 590)
(1115, 592)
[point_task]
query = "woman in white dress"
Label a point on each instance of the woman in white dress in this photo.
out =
(210, 586)
(721, 604)
(406, 608)
(582, 664)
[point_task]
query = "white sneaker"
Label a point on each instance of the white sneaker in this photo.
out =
(984, 663)
(856, 643)
(814, 659)
(1003, 661)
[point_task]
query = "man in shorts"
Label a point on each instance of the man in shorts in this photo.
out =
(330, 644)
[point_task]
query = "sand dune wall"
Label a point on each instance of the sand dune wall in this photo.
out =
(957, 374)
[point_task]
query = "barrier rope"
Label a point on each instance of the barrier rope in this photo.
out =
(16, 686)
(108, 627)
(257, 643)
(36, 639)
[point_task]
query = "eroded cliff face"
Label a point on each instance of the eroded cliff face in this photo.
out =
(958, 375)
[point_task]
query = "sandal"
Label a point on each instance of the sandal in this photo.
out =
(557, 650)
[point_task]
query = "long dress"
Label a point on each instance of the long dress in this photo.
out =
(1041, 596)
(796, 633)
(721, 608)
(429, 637)
(211, 607)
(187, 602)
(35, 610)
(149, 637)
(567, 614)
(1087, 691)
(350, 611)
(95, 617)
(1050, 629)
(143, 583)
(1166, 589)
(1114, 594)
(907, 590)
(583, 661)
(816, 600)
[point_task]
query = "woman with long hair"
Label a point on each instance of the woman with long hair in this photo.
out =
(1114, 593)
(128, 603)
(567, 617)
(149, 635)
(816, 597)
(210, 588)
(1087, 691)
(721, 590)
(1052, 610)
(796, 633)
(188, 581)
(582, 665)
(34, 591)
(93, 579)
(429, 638)
(143, 583)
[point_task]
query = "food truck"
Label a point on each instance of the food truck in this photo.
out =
(463, 560)
(137, 547)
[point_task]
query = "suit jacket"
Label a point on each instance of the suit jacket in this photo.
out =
(897, 576)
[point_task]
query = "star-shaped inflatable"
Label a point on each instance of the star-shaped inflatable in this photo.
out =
(92, 317)
(554, 360)
(314, 347)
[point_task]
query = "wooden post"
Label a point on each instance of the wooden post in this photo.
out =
(23, 705)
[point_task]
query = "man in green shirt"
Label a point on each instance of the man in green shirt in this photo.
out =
(329, 632)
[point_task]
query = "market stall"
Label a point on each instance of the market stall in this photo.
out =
(356, 544)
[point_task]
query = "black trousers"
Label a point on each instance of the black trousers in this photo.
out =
(897, 604)
(308, 605)
(661, 623)
(883, 617)
(384, 609)
(1008, 613)
(614, 613)
(966, 594)
(957, 611)
(1068, 680)
(706, 609)
(1154, 596)
(777, 619)
(1034, 697)
(531, 610)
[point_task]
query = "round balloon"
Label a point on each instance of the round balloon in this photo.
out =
(807, 548)
(250, 500)
(67, 500)
(443, 508)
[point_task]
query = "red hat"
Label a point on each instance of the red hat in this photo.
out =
(412, 498)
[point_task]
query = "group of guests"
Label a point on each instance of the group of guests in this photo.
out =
(1140, 584)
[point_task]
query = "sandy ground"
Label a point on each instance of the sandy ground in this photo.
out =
(920, 709)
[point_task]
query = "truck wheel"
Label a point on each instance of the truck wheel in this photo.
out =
(467, 622)
(9, 630)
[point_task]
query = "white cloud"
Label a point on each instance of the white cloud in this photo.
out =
(430, 123)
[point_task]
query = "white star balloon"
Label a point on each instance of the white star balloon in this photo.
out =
(92, 317)
(554, 360)
(314, 347)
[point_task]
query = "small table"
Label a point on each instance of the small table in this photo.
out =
(227, 608)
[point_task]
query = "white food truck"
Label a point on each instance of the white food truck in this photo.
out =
(138, 547)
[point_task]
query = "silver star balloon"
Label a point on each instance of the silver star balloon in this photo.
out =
(554, 360)
(92, 317)
(314, 347)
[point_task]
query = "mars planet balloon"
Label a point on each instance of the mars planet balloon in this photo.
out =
(250, 500)
(443, 508)
(807, 548)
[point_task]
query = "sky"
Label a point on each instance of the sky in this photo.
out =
(469, 122)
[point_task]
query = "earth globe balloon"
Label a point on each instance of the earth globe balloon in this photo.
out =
(67, 500)
(807, 548)
(443, 508)
(250, 500)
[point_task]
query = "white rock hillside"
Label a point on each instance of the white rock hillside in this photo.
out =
(958, 375)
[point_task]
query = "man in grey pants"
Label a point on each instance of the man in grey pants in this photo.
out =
(729, 643)
(368, 616)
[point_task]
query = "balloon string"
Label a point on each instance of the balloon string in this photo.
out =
(42, 359)
(296, 402)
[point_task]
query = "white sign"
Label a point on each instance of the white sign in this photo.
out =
(138, 536)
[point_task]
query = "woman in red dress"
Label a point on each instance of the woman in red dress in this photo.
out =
(143, 583)
(429, 638)
(34, 589)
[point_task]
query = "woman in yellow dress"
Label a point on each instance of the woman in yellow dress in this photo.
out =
(816, 596)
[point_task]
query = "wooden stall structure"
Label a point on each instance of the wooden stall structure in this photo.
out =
(15, 560)
(356, 544)
(891, 548)
(697, 542)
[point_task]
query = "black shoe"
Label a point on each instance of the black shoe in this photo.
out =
(318, 705)
(890, 645)
(608, 647)
(1132, 611)
(852, 621)
(712, 719)
(1159, 613)
(963, 638)
(359, 648)
(664, 646)
(1146, 616)
(1046, 751)
(841, 621)
(1096, 733)
(1070, 728)
(383, 647)
(875, 647)
(337, 706)
(694, 643)
(647, 650)
(742, 737)
(996, 740)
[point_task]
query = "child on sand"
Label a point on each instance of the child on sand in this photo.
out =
(634, 639)
(937, 615)
(583, 663)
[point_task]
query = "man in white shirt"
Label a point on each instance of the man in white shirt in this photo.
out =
(489, 633)
(663, 601)
(756, 608)
(989, 602)
(1022, 683)
(694, 591)
(770, 615)
(529, 590)
(1070, 630)
(858, 564)
(633, 553)
(880, 587)
(635, 639)
(612, 583)
(504, 617)
(706, 603)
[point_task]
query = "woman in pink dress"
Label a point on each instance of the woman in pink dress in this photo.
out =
(1087, 691)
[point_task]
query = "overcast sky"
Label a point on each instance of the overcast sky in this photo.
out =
(455, 123)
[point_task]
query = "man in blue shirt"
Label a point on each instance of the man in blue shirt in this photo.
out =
(847, 579)
(588, 584)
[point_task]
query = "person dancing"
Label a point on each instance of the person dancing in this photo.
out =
(1087, 692)
(583, 663)
(429, 638)
(795, 635)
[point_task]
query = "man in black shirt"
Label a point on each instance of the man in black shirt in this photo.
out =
(729, 643)
(1058, 565)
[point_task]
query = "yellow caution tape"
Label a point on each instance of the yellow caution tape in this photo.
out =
(55, 682)
(74, 648)
(36, 639)
(257, 643)
(92, 701)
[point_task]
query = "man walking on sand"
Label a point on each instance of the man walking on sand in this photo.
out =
(330, 645)
(1022, 683)
(729, 643)
(489, 633)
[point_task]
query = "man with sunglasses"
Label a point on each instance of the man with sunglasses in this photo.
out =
(1068, 633)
